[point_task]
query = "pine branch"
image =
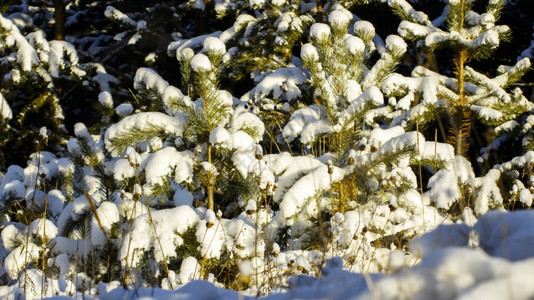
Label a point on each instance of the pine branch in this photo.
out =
(134, 136)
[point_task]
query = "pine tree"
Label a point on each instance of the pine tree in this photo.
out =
(471, 36)
(358, 162)
(209, 126)
(37, 72)
(345, 83)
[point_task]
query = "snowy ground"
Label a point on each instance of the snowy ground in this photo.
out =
(493, 259)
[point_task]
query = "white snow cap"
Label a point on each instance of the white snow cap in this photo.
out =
(354, 45)
(395, 43)
(149, 79)
(319, 30)
(189, 270)
(364, 28)
(105, 99)
(214, 45)
(201, 63)
(185, 54)
(308, 51)
(108, 214)
(5, 110)
(124, 109)
(220, 136)
(340, 17)
(44, 228)
(142, 121)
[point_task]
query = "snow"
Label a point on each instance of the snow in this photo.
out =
(105, 216)
(256, 3)
(488, 192)
(26, 55)
(21, 20)
(214, 45)
(282, 83)
(489, 38)
(24, 254)
(407, 28)
(185, 54)
(124, 109)
(5, 110)
(414, 16)
(410, 140)
(395, 43)
(142, 121)
(113, 13)
(525, 197)
(313, 130)
(243, 120)
(211, 236)
(300, 119)
(160, 164)
(56, 201)
(189, 270)
(179, 48)
(447, 267)
(148, 79)
(104, 79)
(319, 31)
(201, 63)
(298, 194)
(353, 45)
(364, 29)
(340, 17)
(505, 234)
(57, 59)
(14, 187)
(105, 99)
(43, 228)
(371, 96)
(182, 197)
(168, 224)
(288, 21)
(445, 184)
(438, 151)
(308, 52)
(221, 137)
(486, 113)
(379, 136)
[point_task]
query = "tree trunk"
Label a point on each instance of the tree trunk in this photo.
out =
(461, 113)
(211, 184)
(59, 17)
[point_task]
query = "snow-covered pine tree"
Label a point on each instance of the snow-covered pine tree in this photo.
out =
(43, 80)
(471, 36)
(216, 141)
(345, 81)
(277, 26)
(360, 163)
(464, 101)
